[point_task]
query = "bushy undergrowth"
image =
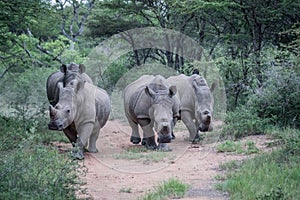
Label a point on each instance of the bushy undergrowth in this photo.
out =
(242, 122)
(29, 169)
(273, 175)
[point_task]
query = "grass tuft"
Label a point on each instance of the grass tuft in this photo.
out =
(171, 189)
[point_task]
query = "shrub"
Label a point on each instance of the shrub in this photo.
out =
(31, 170)
(242, 122)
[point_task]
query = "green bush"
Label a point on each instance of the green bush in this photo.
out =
(242, 122)
(29, 169)
(279, 99)
(273, 175)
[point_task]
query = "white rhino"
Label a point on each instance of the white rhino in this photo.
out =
(196, 103)
(65, 75)
(150, 102)
(87, 106)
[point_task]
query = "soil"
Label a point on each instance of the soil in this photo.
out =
(112, 175)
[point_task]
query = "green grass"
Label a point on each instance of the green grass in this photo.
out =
(274, 175)
(237, 147)
(171, 189)
(141, 153)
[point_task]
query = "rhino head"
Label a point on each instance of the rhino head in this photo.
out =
(63, 113)
(203, 104)
(71, 71)
(161, 110)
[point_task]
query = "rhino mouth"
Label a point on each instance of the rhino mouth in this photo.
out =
(205, 128)
(164, 138)
(55, 127)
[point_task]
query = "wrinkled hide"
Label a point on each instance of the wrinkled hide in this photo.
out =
(66, 74)
(150, 102)
(196, 103)
(87, 106)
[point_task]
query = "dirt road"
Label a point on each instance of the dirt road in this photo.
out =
(114, 172)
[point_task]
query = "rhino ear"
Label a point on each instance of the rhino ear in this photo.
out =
(195, 85)
(150, 92)
(213, 86)
(81, 68)
(63, 68)
(78, 85)
(172, 90)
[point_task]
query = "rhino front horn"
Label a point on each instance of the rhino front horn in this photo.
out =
(52, 110)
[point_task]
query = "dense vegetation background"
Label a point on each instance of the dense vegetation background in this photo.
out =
(255, 45)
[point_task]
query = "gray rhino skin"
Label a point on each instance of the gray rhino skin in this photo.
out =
(150, 102)
(65, 75)
(87, 106)
(196, 103)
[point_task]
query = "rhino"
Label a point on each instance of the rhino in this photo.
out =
(150, 103)
(196, 103)
(87, 106)
(65, 75)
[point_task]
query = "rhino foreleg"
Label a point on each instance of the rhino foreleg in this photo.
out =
(135, 136)
(149, 137)
(93, 139)
(187, 119)
(78, 149)
(71, 133)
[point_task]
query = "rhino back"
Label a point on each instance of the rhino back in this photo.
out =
(103, 106)
(185, 91)
(51, 87)
(136, 101)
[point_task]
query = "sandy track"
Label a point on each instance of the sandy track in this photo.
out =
(110, 177)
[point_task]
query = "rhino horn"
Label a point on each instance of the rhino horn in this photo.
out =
(213, 86)
(52, 110)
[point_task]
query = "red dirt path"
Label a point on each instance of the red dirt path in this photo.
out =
(112, 178)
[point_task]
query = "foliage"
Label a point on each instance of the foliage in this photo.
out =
(254, 178)
(242, 122)
(173, 188)
(247, 147)
(279, 98)
(31, 170)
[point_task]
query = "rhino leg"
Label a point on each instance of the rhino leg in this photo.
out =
(93, 139)
(187, 119)
(148, 136)
(78, 149)
(71, 133)
(135, 136)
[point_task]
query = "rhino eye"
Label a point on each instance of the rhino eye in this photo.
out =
(68, 110)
